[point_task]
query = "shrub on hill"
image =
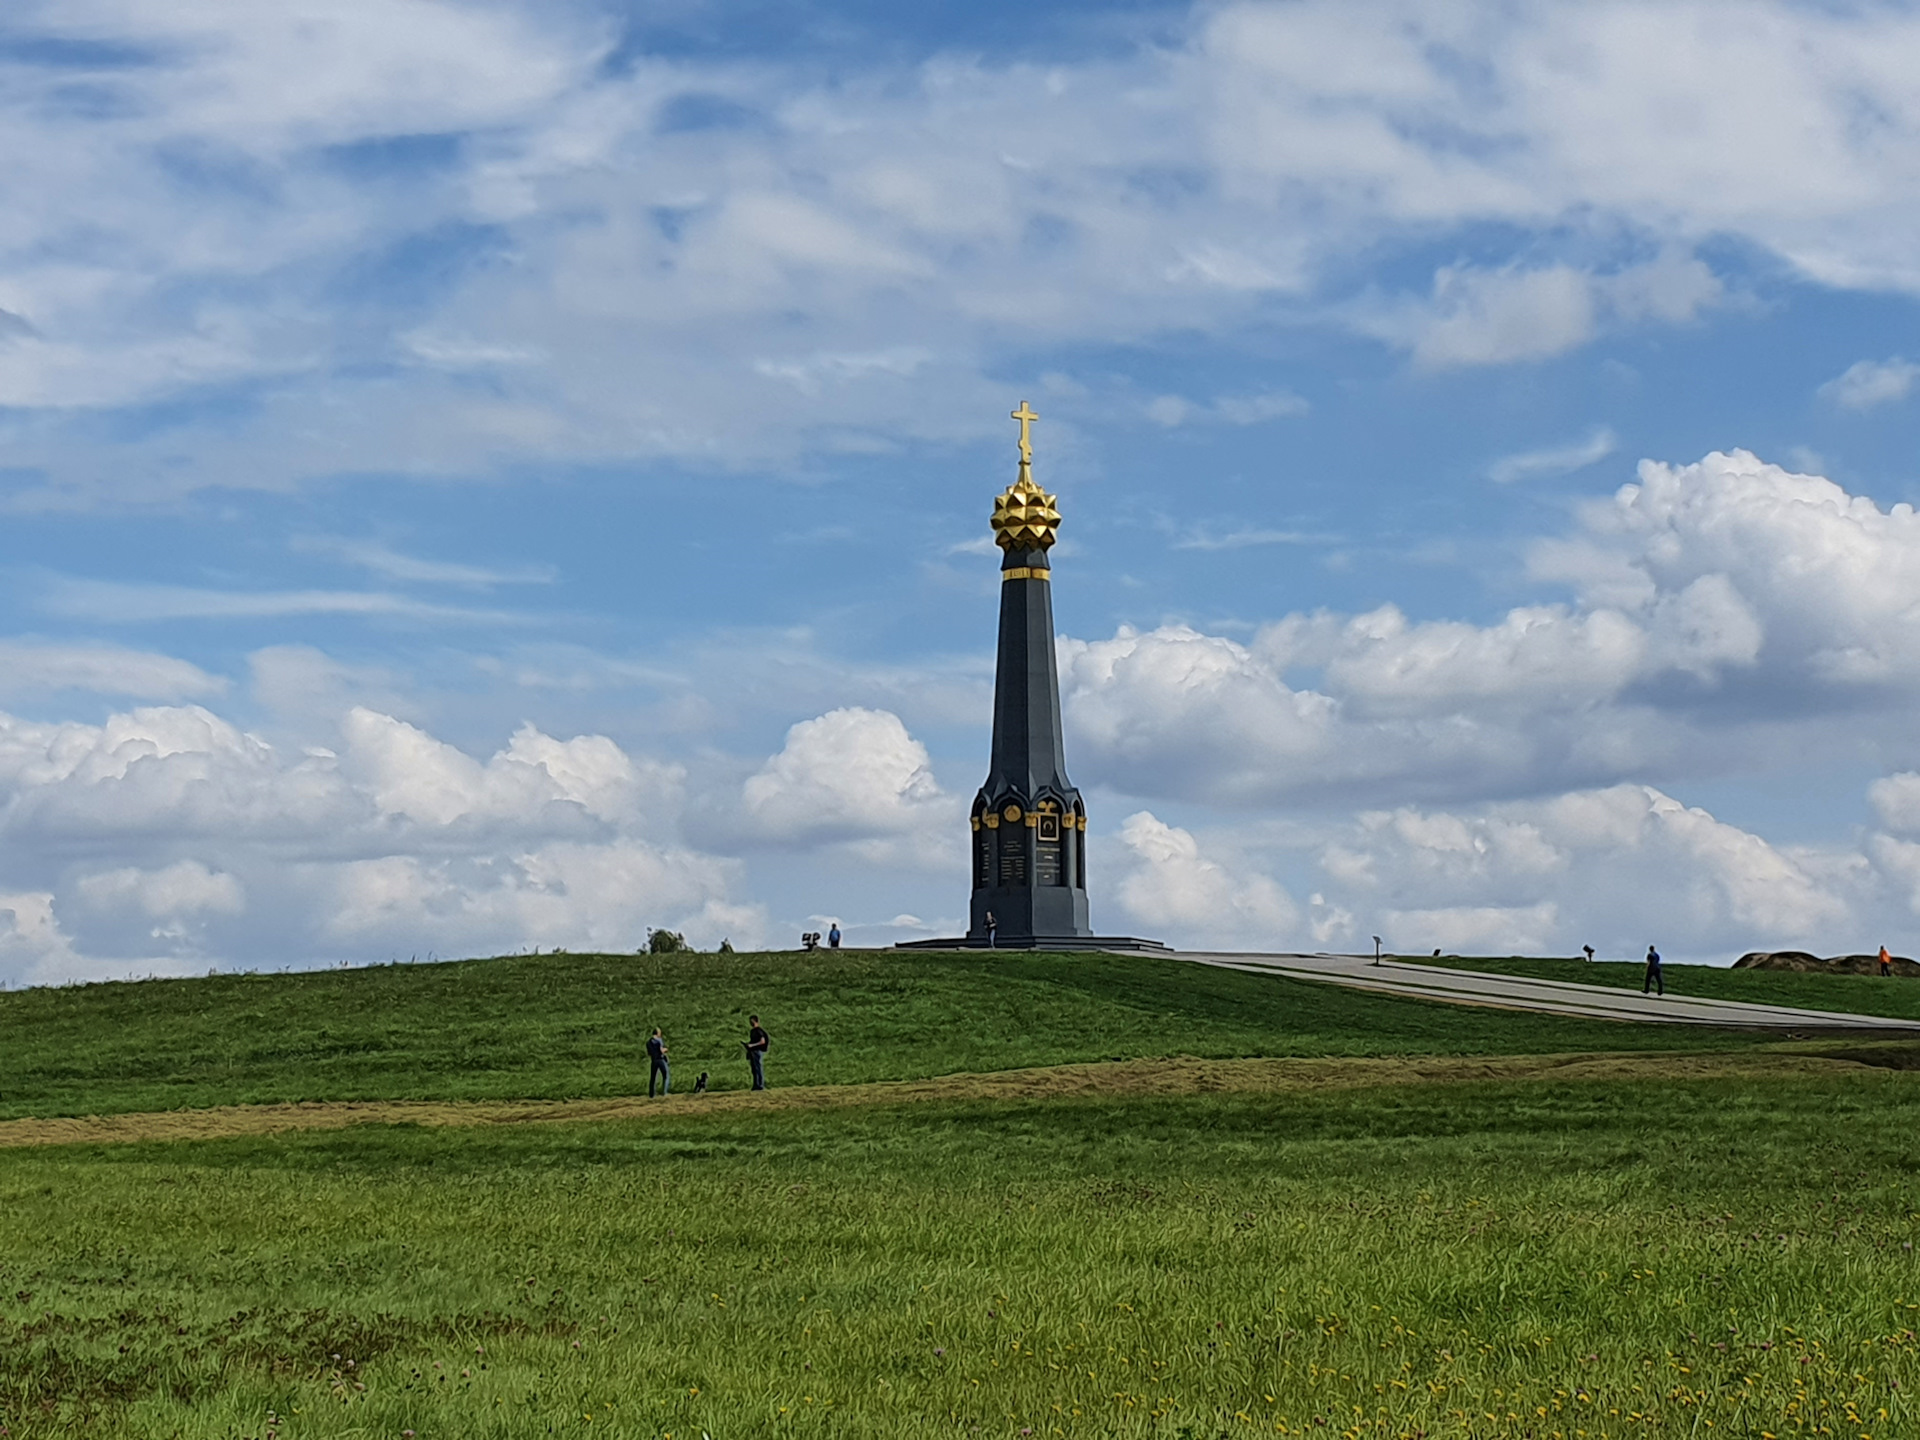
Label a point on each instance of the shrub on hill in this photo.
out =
(666, 942)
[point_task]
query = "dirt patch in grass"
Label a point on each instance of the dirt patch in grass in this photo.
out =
(1115, 1080)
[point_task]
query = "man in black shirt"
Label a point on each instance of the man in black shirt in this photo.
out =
(757, 1052)
(657, 1053)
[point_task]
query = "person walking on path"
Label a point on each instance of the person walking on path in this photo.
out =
(657, 1055)
(757, 1052)
(1653, 980)
(1886, 961)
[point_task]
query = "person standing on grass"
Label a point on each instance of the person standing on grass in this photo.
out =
(1886, 961)
(833, 936)
(757, 1052)
(657, 1055)
(1653, 980)
(991, 925)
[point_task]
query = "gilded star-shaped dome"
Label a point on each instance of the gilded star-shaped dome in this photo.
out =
(1024, 515)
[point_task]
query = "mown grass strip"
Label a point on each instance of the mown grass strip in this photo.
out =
(1180, 1075)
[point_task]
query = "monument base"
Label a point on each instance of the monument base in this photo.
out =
(1042, 942)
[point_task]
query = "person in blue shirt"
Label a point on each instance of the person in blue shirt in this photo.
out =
(1653, 980)
(657, 1054)
(833, 936)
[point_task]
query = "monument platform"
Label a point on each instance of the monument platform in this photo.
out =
(1125, 943)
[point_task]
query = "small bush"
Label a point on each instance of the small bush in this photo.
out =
(666, 942)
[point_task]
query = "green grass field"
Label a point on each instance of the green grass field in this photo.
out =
(1651, 1254)
(573, 1025)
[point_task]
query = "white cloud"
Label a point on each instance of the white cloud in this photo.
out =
(185, 887)
(117, 601)
(1555, 459)
(1896, 800)
(1173, 411)
(1715, 604)
(1247, 536)
(38, 667)
(33, 948)
(1618, 867)
(1167, 882)
(1547, 876)
(382, 560)
(852, 776)
(1478, 929)
(218, 844)
(1869, 383)
(650, 266)
(1480, 316)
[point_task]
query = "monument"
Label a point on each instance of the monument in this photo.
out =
(1028, 825)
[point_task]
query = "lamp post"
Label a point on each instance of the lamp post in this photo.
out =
(1376, 949)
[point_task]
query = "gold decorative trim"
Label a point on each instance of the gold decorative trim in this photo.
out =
(1011, 814)
(1027, 572)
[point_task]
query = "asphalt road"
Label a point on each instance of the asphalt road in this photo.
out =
(1548, 997)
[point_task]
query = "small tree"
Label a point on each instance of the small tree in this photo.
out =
(666, 942)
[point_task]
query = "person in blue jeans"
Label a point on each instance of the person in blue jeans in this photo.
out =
(1654, 981)
(657, 1053)
(757, 1052)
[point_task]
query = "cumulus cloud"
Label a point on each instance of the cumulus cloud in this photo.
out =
(1714, 603)
(1617, 867)
(855, 777)
(1605, 861)
(221, 845)
(1167, 882)
(1866, 384)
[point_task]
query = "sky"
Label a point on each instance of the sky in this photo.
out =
(480, 477)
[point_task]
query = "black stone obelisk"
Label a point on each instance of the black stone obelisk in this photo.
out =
(1028, 823)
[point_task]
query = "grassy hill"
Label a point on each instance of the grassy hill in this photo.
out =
(1676, 1245)
(554, 1026)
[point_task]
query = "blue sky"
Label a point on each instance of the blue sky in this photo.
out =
(480, 476)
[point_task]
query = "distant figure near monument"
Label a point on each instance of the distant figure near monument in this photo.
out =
(1028, 826)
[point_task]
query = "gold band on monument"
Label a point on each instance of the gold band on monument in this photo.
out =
(1027, 572)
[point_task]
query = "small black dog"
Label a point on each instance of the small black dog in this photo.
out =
(700, 1085)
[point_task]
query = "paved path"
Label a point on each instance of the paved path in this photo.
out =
(1549, 997)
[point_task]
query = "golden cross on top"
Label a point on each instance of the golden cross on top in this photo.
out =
(1026, 416)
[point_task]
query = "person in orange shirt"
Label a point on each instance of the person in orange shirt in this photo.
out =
(1886, 961)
